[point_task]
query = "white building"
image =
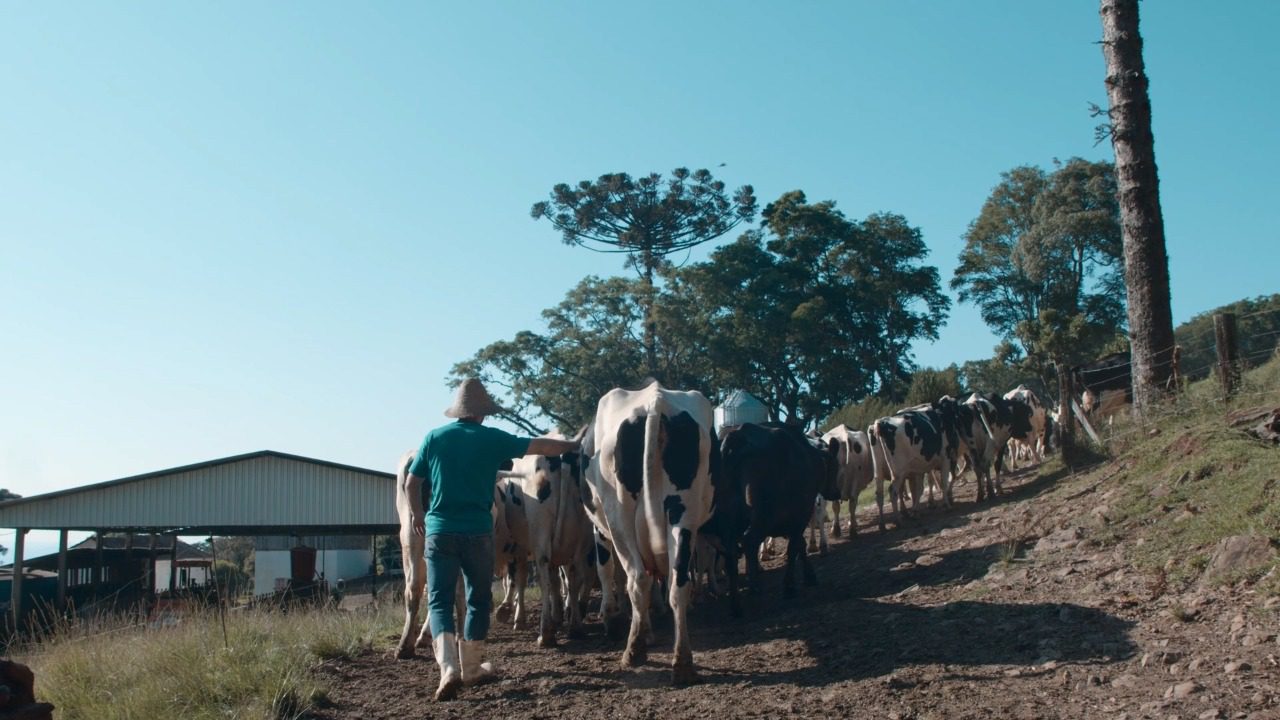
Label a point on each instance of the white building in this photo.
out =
(337, 557)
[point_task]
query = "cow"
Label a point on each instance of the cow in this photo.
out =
(558, 537)
(1002, 420)
(1105, 384)
(911, 444)
(511, 548)
(651, 487)
(852, 451)
(774, 476)
(1033, 447)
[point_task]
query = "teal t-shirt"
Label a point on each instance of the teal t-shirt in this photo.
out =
(461, 461)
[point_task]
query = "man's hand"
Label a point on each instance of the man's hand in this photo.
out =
(419, 525)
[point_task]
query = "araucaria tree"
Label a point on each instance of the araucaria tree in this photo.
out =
(647, 218)
(1145, 260)
(1042, 263)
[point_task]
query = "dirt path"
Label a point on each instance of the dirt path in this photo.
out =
(930, 621)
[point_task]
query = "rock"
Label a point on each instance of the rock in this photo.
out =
(1125, 681)
(1184, 690)
(1256, 637)
(902, 566)
(1239, 553)
(1064, 572)
(1237, 666)
(1093, 680)
(1213, 714)
(1195, 665)
(1237, 624)
(928, 560)
(1060, 540)
(1146, 659)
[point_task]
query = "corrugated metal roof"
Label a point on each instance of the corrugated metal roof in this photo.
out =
(244, 494)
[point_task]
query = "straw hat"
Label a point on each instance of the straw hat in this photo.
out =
(472, 400)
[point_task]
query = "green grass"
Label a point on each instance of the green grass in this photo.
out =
(1195, 482)
(118, 671)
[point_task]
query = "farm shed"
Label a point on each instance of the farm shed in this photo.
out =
(263, 493)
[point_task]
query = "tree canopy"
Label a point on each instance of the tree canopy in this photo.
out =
(647, 218)
(809, 313)
(1042, 261)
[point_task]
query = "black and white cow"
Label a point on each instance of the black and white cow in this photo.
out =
(911, 444)
(1003, 419)
(511, 549)
(558, 537)
(650, 479)
(1105, 385)
(773, 476)
(1033, 447)
(852, 450)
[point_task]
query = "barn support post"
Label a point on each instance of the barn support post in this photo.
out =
(1224, 334)
(15, 602)
(151, 569)
(97, 567)
(173, 567)
(62, 569)
(373, 580)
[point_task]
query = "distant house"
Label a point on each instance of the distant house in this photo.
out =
(129, 566)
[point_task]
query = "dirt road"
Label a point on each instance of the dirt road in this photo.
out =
(947, 617)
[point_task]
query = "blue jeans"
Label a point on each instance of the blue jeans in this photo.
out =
(447, 554)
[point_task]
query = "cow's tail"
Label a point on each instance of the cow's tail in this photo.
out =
(652, 490)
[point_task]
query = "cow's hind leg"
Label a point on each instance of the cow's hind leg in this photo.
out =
(682, 669)
(413, 558)
(835, 518)
(638, 588)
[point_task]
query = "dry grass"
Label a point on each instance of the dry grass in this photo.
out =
(118, 670)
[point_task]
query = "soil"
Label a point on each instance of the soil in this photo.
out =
(1025, 608)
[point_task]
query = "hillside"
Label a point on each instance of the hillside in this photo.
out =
(1100, 593)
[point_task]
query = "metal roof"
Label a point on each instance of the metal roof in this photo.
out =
(259, 493)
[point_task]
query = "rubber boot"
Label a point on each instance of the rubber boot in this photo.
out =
(474, 669)
(446, 649)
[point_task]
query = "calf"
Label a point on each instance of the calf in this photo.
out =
(1105, 384)
(558, 531)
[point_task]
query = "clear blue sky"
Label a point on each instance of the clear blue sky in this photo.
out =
(233, 226)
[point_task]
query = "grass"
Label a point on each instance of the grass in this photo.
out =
(1195, 481)
(115, 670)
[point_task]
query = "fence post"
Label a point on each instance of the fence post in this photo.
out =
(1224, 333)
(1066, 421)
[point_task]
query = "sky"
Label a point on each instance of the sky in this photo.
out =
(227, 227)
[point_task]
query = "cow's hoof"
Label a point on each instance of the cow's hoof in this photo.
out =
(503, 613)
(546, 641)
(405, 652)
(683, 674)
(576, 632)
(635, 656)
(822, 551)
(813, 548)
(835, 530)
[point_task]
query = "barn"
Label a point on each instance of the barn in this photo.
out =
(261, 494)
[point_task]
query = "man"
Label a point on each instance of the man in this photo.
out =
(457, 467)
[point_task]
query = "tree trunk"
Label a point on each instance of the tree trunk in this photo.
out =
(1146, 264)
(650, 322)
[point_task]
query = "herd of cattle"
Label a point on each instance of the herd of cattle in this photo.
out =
(656, 501)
